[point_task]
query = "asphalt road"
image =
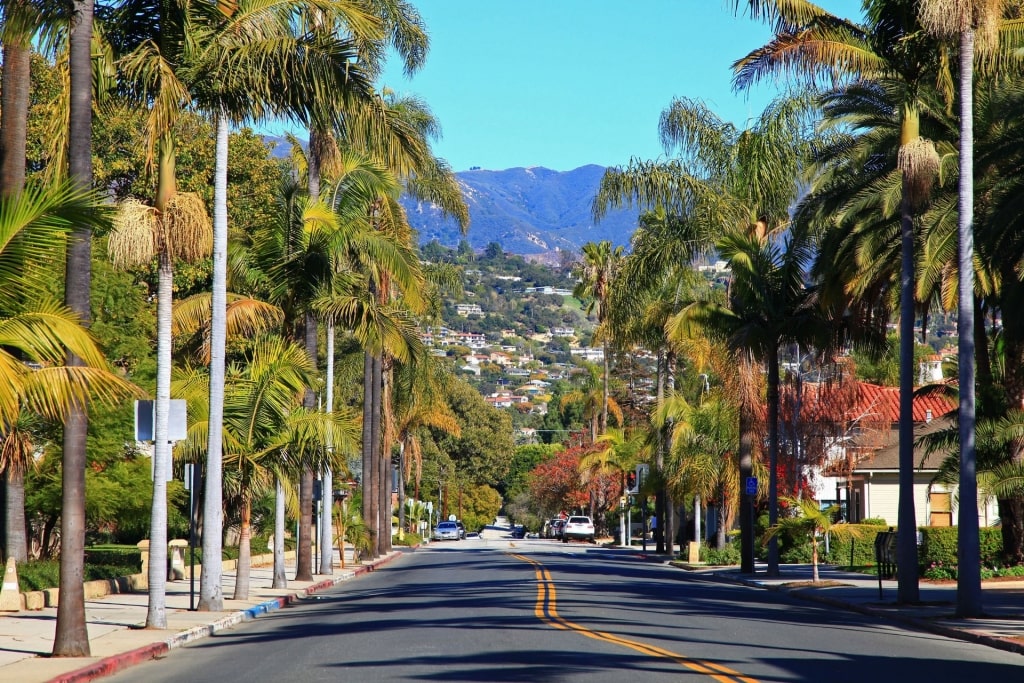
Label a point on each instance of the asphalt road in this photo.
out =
(542, 611)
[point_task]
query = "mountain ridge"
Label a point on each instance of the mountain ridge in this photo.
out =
(534, 211)
(527, 210)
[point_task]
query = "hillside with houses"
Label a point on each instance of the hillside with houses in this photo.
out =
(516, 333)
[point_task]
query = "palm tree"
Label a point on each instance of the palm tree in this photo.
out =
(281, 85)
(746, 179)
(72, 638)
(812, 44)
(705, 446)
(17, 456)
(419, 403)
(810, 520)
(596, 273)
(178, 228)
(962, 20)
(592, 393)
(401, 144)
(239, 62)
(37, 331)
(770, 305)
(400, 27)
(618, 451)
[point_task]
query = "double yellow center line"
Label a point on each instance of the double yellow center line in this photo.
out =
(546, 610)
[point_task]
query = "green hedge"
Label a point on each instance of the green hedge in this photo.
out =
(863, 547)
(37, 575)
(939, 546)
(115, 556)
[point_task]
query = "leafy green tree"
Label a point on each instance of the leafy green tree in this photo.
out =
(177, 230)
(523, 461)
(484, 447)
(705, 450)
(479, 505)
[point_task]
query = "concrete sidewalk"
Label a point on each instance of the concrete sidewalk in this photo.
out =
(117, 639)
(1003, 601)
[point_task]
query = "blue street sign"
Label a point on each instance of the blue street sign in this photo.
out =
(751, 486)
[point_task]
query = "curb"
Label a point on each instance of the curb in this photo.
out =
(108, 666)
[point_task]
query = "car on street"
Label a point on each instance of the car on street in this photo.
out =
(554, 529)
(578, 527)
(519, 531)
(462, 528)
(448, 531)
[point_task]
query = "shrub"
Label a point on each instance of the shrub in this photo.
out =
(728, 555)
(409, 539)
(795, 551)
(874, 521)
(939, 571)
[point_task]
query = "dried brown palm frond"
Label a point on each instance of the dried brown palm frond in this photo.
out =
(187, 230)
(919, 163)
(950, 18)
(945, 18)
(132, 241)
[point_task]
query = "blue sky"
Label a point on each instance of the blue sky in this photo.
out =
(564, 83)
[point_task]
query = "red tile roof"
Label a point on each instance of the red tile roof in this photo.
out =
(864, 403)
(883, 403)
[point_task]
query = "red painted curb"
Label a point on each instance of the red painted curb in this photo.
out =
(111, 665)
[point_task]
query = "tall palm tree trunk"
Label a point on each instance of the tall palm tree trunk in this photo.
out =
(304, 546)
(382, 488)
(367, 479)
(304, 560)
(280, 579)
(327, 487)
(906, 551)
(243, 570)
(72, 638)
(15, 528)
(968, 582)
(211, 596)
(14, 101)
(156, 615)
(772, 358)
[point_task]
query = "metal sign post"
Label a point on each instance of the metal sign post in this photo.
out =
(192, 484)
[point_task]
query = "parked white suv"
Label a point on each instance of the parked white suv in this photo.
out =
(578, 527)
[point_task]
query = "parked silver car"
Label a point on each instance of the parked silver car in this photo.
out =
(447, 531)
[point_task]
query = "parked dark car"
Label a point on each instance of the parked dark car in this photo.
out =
(519, 531)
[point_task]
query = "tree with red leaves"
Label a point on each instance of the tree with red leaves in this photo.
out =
(556, 484)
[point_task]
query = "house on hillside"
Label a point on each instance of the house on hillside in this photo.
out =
(588, 353)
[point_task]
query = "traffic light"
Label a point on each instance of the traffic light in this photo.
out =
(631, 486)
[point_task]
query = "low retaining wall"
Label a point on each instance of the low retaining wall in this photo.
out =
(135, 583)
